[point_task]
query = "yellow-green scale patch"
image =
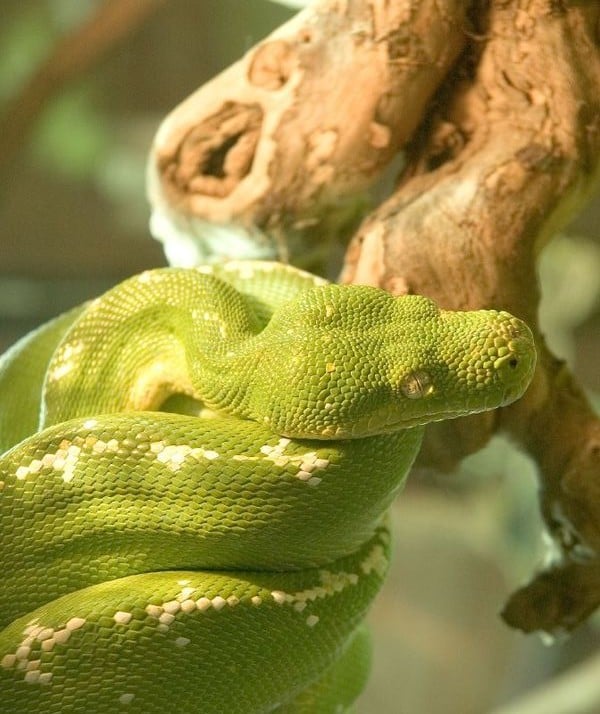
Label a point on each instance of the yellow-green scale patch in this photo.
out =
(124, 638)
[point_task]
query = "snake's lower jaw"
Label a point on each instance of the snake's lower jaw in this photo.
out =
(521, 368)
(512, 394)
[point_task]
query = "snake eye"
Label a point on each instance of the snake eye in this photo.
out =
(416, 385)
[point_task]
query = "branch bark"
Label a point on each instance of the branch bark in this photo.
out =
(306, 119)
(498, 108)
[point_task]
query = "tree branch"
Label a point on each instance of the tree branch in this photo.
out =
(312, 114)
(509, 152)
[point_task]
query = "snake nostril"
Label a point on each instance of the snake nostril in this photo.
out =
(513, 362)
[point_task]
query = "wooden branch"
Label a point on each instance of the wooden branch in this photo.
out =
(71, 57)
(510, 151)
(500, 112)
(314, 112)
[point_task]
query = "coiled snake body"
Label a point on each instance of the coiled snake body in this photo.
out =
(197, 523)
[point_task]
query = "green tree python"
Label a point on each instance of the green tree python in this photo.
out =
(195, 474)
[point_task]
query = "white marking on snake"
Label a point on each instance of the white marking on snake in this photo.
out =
(44, 634)
(67, 361)
(22, 473)
(70, 462)
(48, 637)
(188, 606)
(122, 618)
(75, 623)
(154, 610)
(8, 661)
(375, 561)
(99, 446)
(62, 636)
(244, 271)
(157, 446)
(126, 698)
(278, 596)
(331, 583)
(174, 455)
(63, 460)
(166, 612)
(307, 463)
(203, 604)
(172, 607)
(218, 602)
(23, 651)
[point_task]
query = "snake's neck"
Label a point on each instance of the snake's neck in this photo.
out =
(171, 353)
(222, 381)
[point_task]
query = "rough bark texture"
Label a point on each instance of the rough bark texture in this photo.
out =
(498, 107)
(311, 115)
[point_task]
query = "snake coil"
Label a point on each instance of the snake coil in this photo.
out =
(196, 521)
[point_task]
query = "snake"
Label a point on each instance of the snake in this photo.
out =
(196, 473)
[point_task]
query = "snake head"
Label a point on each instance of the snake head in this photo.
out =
(351, 361)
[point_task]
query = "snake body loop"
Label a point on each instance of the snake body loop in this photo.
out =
(198, 519)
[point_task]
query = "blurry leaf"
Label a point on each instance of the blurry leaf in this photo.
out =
(569, 271)
(121, 176)
(516, 508)
(28, 37)
(68, 13)
(72, 137)
(24, 42)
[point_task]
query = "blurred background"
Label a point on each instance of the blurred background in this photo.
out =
(83, 87)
